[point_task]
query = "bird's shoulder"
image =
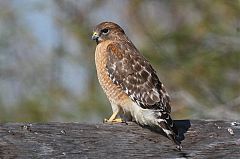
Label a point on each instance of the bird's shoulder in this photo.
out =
(129, 69)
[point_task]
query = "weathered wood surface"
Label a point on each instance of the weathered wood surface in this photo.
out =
(204, 139)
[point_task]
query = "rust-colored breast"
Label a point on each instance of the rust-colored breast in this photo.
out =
(113, 91)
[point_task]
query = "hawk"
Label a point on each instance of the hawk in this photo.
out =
(130, 82)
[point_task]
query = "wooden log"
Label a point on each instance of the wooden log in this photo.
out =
(203, 139)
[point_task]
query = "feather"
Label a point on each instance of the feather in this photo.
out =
(130, 82)
(136, 76)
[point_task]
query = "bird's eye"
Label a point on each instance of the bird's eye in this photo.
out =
(105, 31)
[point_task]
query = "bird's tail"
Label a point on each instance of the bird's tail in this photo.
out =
(165, 122)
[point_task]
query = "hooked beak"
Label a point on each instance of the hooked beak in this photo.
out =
(95, 36)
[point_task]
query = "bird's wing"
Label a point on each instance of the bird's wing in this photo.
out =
(134, 74)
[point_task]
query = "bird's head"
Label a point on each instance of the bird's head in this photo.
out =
(107, 31)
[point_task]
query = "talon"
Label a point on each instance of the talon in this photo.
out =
(105, 120)
(118, 120)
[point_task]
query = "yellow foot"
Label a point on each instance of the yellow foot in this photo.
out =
(118, 120)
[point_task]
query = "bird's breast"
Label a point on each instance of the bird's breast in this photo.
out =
(114, 92)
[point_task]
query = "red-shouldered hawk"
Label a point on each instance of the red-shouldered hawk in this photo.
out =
(130, 82)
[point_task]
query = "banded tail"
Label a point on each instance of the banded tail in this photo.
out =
(165, 122)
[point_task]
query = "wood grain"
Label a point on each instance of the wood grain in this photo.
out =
(204, 139)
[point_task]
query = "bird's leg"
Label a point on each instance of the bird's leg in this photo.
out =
(113, 118)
